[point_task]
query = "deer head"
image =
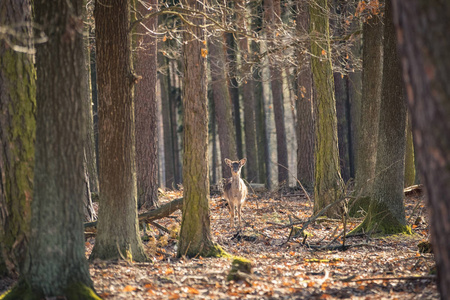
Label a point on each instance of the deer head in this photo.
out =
(235, 166)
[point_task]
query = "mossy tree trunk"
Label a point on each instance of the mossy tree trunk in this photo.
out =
(422, 27)
(386, 213)
(327, 177)
(56, 265)
(195, 233)
(304, 106)
(369, 114)
(17, 135)
(222, 101)
(118, 232)
(145, 109)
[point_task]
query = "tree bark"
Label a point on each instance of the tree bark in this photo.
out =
(304, 106)
(118, 225)
(17, 136)
(369, 114)
(195, 233)
(56, 264)
(145, 110)
(386, 213)
(327, 178)
(421, 28)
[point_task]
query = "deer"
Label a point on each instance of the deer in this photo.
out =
(235, 191)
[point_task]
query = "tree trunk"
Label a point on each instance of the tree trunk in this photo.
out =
(222, 102)
(234, 91)
(175, 102)
(17, 136)
(272, 12)
(56, 264)
(248, 96)
(341, 94)
(327, 178)
(369, 114)
(386, 212)
(145, 110)
(195, 233)
(118, 234)
(304, 106)
(422, 27)
(169, 150)
(410, 165)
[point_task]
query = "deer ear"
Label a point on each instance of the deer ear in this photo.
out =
(228, 162)
(243, 161)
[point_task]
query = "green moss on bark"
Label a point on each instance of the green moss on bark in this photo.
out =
(381, 221)
(23, 291)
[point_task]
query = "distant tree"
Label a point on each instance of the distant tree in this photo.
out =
(17, 133)
(145, 108)
(304, 105)
(410, 164)
(118, 233)
(195, 233)
(386, 213)
(56, 265)
(272, 16)
(421, 27)
(90, 155)
(370, 112)
(248, 94)
(222, 100)
(327, 177)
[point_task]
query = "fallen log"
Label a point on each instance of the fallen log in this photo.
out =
(156, 214)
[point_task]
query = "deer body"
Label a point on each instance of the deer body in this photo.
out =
(235, 190)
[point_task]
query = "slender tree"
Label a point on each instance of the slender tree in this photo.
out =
(327, 177)
(56, 264)
(17, 133)
(421, 27)
(410, 165)
(195, 233)
(370, 112)
(118, 232)
(145, 108)
(272, 11)
(248, 94)
(386, 213)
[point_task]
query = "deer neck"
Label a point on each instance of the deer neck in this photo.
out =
(236, 180)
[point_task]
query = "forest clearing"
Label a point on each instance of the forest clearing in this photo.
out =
(281, 269)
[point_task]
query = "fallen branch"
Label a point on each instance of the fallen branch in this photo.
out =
(430, 277)
(159, 213)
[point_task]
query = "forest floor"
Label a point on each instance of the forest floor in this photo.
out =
(388, 267)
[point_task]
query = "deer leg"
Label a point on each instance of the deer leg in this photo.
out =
(232, 213)
(239, 214)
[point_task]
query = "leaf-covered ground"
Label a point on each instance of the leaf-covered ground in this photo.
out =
(372, 268)
(375, 268)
